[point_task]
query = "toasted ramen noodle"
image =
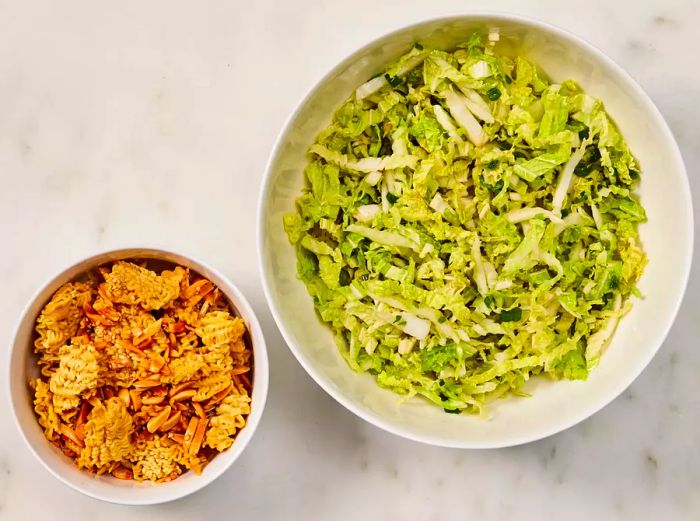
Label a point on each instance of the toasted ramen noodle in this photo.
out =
(59, 321)
(43, 404)
(156, 460)
(190, 366)
(77, 373)
(143, 374)
(130, 284)
(229, 419)
(107, 434)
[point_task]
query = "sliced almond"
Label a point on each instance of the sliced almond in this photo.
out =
(154, 423)
(200, 287)
(199, 410)
(161, 390)
(189, 433)
(221, 395)
(183, 395)
(180, 387)
(141, 337)
(178, 438)
(152, 400)
(122, 473)
(180, 406)
(71, 435)
(123, 395)
(156, 364)
(135, 395)
(198, 437)
(170, 422)
(72, 447)
(81, 420)
(146, 383)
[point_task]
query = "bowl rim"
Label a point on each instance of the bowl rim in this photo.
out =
(261, 385)
(555, 427)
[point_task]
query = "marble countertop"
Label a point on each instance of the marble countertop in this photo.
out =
(151, 122)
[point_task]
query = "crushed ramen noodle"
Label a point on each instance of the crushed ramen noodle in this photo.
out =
(144, 374)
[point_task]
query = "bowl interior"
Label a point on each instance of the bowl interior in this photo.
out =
(664, 192)
(23, 367)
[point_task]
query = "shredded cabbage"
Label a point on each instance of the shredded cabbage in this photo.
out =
(467, 224)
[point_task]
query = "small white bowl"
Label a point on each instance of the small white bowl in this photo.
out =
(22, 367)
(554, 406)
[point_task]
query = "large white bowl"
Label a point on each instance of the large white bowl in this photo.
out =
(667, 238)
(22, 366)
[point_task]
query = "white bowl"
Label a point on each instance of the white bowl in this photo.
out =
(22, 367)
(554, 406)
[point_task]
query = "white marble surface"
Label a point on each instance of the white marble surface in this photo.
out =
(151, 122)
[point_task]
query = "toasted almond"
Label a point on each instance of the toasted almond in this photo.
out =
(147, 333)
(96, 318)
(122, 473)
(145, 383)
(177, 327)
(170, 422)
(244, 379)
(135, 399)
(109, 312)
(71, 435)
(199, 287)
(99, 344)
(161, 390)
(123, 395)
(151, 410)
(156, 364)
(221, 395)
(178, 438)
(199, 410)
(71, 446)
(180, 406)
(154, 423)
(180, 387)
(153, 327)
(198, 437)
(212, 297)
(132, 349)
(183, 395)
(152, 400)
(189, 433)
(81, 420)
(144, 343)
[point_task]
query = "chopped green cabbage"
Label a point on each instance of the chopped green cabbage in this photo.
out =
(467, 224)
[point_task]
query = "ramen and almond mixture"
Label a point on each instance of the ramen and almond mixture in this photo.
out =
(143, 375)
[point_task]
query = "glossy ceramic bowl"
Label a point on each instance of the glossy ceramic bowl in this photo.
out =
(22, 366)
(554, 406)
